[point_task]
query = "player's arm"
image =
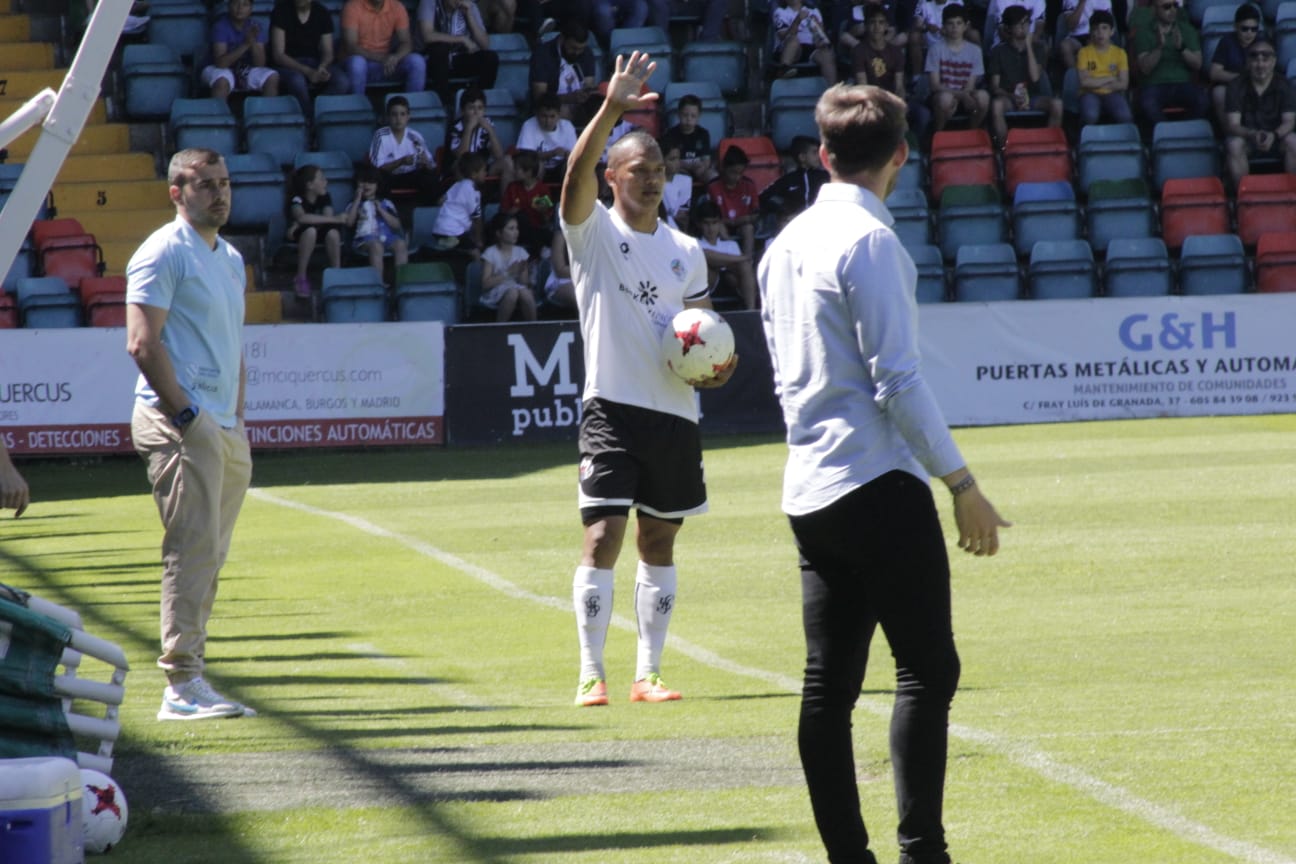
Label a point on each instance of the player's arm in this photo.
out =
(580, 185)
(14, 494)
(702, 300)
(144, 344)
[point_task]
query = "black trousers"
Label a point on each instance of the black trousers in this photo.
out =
(443, 65)
(874, 557)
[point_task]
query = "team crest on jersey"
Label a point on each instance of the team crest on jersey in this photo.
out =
(677, 267)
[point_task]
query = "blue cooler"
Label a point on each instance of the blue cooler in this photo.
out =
(40, 811)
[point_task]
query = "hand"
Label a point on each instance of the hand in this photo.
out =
(322, 74)
(407, 159)
(1265, 140)
(720, 378)
(251, 33)
(627, 82)
(468, 43)
(389, 67)
(978, 523)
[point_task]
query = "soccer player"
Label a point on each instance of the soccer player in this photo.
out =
(639, 440)
(864, 434)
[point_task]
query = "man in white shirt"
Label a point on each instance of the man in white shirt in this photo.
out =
(639, 440)
(864, 434)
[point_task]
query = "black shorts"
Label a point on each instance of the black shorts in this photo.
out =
(636, 457)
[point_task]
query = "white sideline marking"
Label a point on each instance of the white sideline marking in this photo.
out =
(1023, 754)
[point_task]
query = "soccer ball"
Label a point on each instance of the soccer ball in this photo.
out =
(697, 343)
(103, 811)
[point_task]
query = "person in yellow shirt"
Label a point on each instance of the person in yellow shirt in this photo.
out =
(1104, 74)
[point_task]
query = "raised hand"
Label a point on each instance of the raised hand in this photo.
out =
(627, 82)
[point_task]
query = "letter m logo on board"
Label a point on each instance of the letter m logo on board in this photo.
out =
(524, 362)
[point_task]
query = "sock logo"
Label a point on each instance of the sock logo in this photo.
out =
(665, 603)
(592, 606)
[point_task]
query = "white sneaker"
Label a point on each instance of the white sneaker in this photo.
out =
(196, 700)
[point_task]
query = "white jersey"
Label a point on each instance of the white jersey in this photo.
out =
(629, 285)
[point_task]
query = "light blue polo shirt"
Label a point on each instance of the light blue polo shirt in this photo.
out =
(202, 290)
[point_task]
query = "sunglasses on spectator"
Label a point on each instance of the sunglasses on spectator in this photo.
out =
(1249, 28)
(1261, 55)
(1169, 5)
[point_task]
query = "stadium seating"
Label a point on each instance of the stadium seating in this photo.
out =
(181, 26)
(1195, 205)
(62, 248)
(725, 63)
(256, 192)
(1212, 264)
(19, 269)
(1275, 262)
(204, 122)
(765, 166)
(1197, 10)
(1183, 148)
(653, 40)
(514, 66)
(346, 122)
(472, 307)
(914, 171)
(1285, 32)
(912, 218)
(427, 292)
(1137, 267)
(1035, 155)
(1118, 208)
(1062, 270)
(46, 302)
(986, 273)
(1110, 151)
(275, 125)
(969, 215)
(1266, 203)
(420, 239)
(103, 301)
(931, 272)
(8, 312)
(153, 78)
(1044, 211)
(961, 157)
(353, 295)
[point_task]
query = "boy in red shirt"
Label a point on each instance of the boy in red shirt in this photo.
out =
(738, 199)
(529, 198)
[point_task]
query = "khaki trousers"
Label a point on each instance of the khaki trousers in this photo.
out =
(199, 482)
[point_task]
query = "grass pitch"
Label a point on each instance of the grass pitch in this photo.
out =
(401, 619)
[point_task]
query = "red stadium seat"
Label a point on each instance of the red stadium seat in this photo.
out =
(104, 300)
(1192, 206)
(70, 257)
(1265, 206)
(8, 311)
(960, 158)
(765, 166)
(1275, 262)
(1035, 156)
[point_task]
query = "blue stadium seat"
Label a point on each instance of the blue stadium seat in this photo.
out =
(725, 63)
(1062, 270)
(1119, 208)
(256, 192)
(204, 123)
(653, 40)
(969, 215)
(912, 218)
(427, 292)
(1044, 211)
(986, 273)
(353, 295)
(514, 65)
(1212, 264)
(153, 78)
(182, 27)
(931, 272)
(21, 268)
(46, 302)
(275, 125)
(1183, 149)
(338, 168)
(1137, 267)
(421, 230)
(346, 122)
(1110, 151)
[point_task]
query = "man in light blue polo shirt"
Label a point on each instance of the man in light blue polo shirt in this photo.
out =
(864, 434)
(184, 329)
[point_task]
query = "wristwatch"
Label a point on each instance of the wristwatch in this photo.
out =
(185, 417)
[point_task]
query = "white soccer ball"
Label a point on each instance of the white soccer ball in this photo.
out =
(103, 811)
(697, 343)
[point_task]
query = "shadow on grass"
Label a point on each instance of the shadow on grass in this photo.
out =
(622, 840)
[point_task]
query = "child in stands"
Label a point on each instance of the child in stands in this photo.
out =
(377, 226)
(310, 214)
(507, 273)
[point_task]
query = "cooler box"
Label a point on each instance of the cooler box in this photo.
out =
(40, 811)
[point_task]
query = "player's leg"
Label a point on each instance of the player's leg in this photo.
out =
(655, 582)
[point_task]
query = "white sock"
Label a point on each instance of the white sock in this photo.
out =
(592, 599)
(654, 601)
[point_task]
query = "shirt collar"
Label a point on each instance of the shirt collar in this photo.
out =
(850, 193)
(197, 238)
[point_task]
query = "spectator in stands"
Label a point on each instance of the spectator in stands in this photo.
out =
(565, 67)
(693, 139)
(879, 59)
(301, 49)
(1076, 15)
(999, 33)
(677, 193)
(499, 15)
(854, 28)
(954, 68)
(458, 223)
(531, 200)
(612, 14)
(377, 226)
(310, 215)
(1261, 114)
(1169, 57)
(712, 14)
(797, 189)
(507, 274)
(550, 135)
(736, 196)
(559, 289)
(1015, 71)
(405, 160)
(457, 45)
(474, 132)
(800, 38)
(238, 55)
(1230, 61)
(14, 494)
(729, 270)
(1104, 74)
(376, 36)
